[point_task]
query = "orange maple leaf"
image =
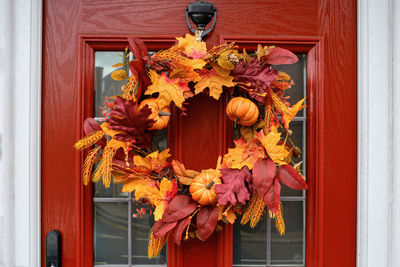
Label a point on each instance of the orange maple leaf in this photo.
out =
(244, 154)
(169, 90)
(277, 153)
(155, 161)
(288, 113)
(212, 80)
(159, 196)
(192, 47)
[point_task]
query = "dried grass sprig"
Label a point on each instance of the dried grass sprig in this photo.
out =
(88, 165)
(254, 211)
(155, 245)
(89, 140)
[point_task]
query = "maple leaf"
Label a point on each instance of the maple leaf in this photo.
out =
(159, 196)
(244, 154)
(153, 162)
(233, 187)
(229, 216)
(192, 47)
(169, 90)
(133, 123)
(168, 190)
(185, 176)
(212, 80)
(276, 152)
(266, 184)
(292, 111)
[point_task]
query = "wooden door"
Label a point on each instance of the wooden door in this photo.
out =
(323, 31)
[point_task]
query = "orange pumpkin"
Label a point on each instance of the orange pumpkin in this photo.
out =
(243, 110)
(161, 117)
(202, 188)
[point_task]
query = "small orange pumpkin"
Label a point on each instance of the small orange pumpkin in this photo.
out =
(243, 110)
(161, 117)
(202, 188)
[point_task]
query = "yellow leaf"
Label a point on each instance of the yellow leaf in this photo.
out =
(192, 48)
(223, 60)
(212, 80)
(153, 162)
(168, 90)
(246, 57)
(119, 75)
(117, 65)
(260, 51)
(244, 154)
(230, 216)
(108, 131)
(277, 153)
(291, 112)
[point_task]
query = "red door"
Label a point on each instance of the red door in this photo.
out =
(324, 32)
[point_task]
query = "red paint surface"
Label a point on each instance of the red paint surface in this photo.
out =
(324, 29)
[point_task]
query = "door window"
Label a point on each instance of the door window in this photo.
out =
(263, 245)
(120, 232)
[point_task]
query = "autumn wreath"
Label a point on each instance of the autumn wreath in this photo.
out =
(189, 203)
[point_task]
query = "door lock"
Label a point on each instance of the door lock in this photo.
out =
(53, 249)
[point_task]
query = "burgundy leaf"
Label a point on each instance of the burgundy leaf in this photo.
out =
(257, 74)
(290, 177)
(233, 186)
(179, 229)
(161, 228)
(179, 207)
(90, 125)
(134, 123)
(280, 56)
(263, 175)
(207, 219)
(272, 197)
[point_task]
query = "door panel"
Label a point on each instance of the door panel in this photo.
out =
(324, 30)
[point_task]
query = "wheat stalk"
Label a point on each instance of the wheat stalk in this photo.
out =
(88, 165)
(104, 169)
(89, 140)
(254, 211)
(279, 221)
(155, 245)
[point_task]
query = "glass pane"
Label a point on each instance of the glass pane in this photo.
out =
(113, 191)
(250, 244)
(289, 248)
(110, 233)
(141, 227)
(298, 135)
(103, 84)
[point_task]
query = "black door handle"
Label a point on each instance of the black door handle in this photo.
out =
(53, 249)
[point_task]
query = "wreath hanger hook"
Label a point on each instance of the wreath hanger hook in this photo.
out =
(201, 14)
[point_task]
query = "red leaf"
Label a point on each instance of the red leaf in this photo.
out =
(179, 207)
(137, 67)
(90, 125)
(272, 197)
(290, 177)
(134, 123)
(161, 228)
(233, 186)
(263, 175)
(179, 229)
(207, 219)
(280, 56)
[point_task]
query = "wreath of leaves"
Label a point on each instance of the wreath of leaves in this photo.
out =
(251, 173)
